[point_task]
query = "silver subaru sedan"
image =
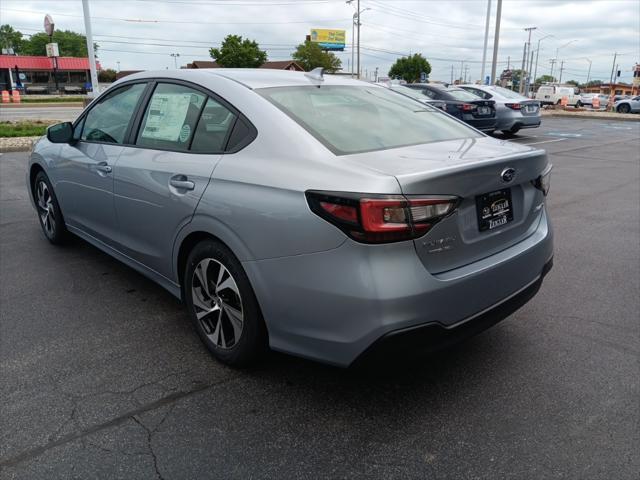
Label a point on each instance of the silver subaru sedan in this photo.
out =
(316, 215)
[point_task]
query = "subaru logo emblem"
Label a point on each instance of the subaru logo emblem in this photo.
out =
(508, 174)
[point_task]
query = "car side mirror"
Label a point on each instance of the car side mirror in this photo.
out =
(60, 133)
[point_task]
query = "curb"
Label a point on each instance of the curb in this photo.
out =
(42, 104)
(624, 117)
(17, 144)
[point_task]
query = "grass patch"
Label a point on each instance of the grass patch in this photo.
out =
(26, 99)
(23, 129)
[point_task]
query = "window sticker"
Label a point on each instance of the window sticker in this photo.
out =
(166, 117)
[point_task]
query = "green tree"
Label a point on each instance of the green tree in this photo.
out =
(572, 82)
(70, 44)
(108, 75)
(309, 55)
(10, 38)
(238, 53)
(545, 79)
(410, 68)
(593, 83)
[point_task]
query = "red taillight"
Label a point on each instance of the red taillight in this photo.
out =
(513, 106)
(381, 219)
(467, 107)
(343, 212)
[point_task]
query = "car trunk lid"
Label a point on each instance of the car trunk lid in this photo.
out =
(472, 169)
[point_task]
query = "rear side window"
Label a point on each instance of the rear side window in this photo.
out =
(480, 93)
(171, 117)
(213, 128)
(109, 120)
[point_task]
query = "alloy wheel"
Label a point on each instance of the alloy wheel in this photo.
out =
(45, 208)
(217, 303)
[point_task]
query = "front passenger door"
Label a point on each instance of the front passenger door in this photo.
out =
(85, 190)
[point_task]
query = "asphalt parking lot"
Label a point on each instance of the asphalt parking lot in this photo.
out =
(102, 375)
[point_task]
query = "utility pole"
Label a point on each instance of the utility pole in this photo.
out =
(92, 54)
(486, 39)
(535, 72)
(353, 44)
(496, 41)
(466, 71)
(376, 79)
(527, 48)
(589, 71)
(528, 85)
(553, 62)
(522, 72)
(451, 83)
(615, 57)
(561, 69)
(509, 62)
(461, 69)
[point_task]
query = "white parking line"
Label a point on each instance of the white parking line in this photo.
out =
(546, 141)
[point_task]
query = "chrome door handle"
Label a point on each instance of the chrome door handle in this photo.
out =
(103, 167)
(181, 182)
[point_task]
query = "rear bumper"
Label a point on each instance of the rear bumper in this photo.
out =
(433, 337)
(332, 306)
(483, 124)
(508, 120)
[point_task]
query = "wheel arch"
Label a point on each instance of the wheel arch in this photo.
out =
(34, 169)
(199, 229)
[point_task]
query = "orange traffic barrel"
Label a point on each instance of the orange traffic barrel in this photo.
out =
(595, 103)
(564, 101)
(16, 96)
(5, 96)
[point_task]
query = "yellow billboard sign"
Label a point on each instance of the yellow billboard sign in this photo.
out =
(329, 39)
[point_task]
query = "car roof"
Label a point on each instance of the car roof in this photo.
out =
(249, 77)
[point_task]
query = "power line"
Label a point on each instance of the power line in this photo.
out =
(182, 22)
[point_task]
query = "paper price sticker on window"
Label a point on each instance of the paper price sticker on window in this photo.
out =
(166, 117)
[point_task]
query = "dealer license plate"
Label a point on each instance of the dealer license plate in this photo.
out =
(494, 209)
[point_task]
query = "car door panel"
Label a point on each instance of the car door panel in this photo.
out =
(85, 188)
(153, 200)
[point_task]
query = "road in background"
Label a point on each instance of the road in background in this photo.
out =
(63, 114)
(104, 377)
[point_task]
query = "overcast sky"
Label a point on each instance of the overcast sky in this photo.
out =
(140, 34)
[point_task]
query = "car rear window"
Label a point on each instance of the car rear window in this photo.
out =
(462, 95)
(354, 119)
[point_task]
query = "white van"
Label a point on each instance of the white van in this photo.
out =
(552, 95)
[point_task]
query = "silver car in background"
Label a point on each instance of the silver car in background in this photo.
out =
(513, 111)
(321, 216)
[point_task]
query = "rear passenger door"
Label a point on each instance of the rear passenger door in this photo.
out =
(159, 180)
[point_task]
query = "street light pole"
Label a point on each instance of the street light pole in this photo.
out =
(558, 50)
(486, 38)
(175, 59)
(496, 41)
(353, 43)
(92, 54)
(358, 7)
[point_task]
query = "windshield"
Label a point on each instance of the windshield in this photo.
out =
(354, 119)
(506, 93)
(462, 95)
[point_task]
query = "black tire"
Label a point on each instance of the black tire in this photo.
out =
(49, 212)
(218, 329)
(624, 108)
(511, 133)
(578, 104)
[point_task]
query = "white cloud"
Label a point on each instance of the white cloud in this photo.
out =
(446, 32)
